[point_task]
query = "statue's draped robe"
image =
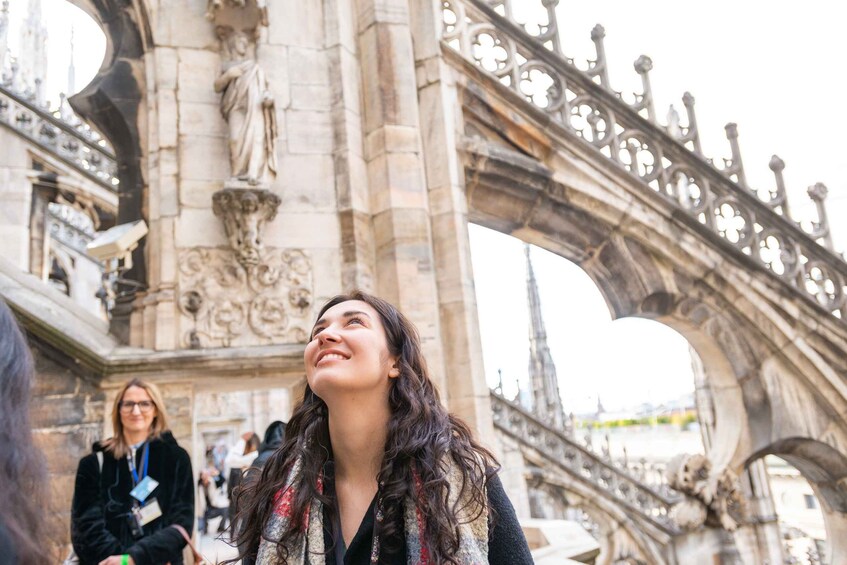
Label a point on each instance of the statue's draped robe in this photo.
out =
(252, 146)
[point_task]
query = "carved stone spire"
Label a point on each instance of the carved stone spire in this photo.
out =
(71, 69)
(4, 33)
(33, 54)
(546, 401)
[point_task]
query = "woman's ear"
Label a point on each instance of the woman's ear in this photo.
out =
(394, 372)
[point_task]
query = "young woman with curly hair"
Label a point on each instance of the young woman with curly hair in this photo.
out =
(374, 469)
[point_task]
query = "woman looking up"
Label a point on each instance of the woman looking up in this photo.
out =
(374, 469)
(133, 487)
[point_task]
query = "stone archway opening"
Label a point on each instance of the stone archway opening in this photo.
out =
(806, 479)
(796, 505)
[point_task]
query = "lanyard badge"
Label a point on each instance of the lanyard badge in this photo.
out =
(143, 485)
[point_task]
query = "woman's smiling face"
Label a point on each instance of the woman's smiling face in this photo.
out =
(348, 351)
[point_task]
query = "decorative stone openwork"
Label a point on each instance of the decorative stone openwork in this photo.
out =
(227, 303)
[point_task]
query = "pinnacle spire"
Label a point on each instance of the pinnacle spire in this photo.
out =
(71, 69)
(546, 400)
(4, 33)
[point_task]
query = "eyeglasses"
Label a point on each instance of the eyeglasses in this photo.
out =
(145, 406)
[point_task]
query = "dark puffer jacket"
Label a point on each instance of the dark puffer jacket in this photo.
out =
(101, 502)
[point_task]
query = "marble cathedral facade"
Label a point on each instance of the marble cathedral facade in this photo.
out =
(280, 153)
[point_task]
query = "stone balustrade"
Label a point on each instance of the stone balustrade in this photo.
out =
(73, 143)
(653, 503)
(667, 159)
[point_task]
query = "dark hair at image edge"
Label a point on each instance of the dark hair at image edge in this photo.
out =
(23, 477)
(421, 434)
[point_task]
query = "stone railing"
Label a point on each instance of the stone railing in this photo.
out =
(575, 459)
(64, 227)
(667, 158)
(74, 143)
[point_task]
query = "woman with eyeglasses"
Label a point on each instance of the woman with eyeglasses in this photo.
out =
(133, 487)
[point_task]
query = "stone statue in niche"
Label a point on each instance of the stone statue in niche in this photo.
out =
(247, 104)
(248, 108)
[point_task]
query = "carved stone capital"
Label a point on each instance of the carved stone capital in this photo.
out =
(244, 212)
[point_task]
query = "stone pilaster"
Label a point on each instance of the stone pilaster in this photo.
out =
(405, 265)
(466, 389)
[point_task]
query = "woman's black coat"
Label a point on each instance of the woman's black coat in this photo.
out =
(99, 526)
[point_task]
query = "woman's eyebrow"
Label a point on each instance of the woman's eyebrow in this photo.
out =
(348, 314)
(351, 313)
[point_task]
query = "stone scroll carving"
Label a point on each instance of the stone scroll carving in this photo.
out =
(225, 303)
(247, 104)
(711, 498)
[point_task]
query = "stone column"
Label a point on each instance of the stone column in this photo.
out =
(440, 113)
(760, 502)
(405, 267)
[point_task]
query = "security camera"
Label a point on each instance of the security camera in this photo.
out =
(117, 243)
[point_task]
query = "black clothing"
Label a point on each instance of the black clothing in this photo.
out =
(8, 554)
(506, 542)
(274, 438)
(101, 505)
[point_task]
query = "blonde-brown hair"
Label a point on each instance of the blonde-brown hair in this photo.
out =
(116, 444)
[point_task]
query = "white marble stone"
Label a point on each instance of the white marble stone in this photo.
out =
(309, 132)
(297, 24)
(197, 118)
(203, 158)
(197, 71)
(199, 228)
(308, 230)
(307, 183)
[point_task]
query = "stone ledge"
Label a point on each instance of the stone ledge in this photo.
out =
(86, 343)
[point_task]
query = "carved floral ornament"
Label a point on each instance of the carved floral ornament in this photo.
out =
(226, 303)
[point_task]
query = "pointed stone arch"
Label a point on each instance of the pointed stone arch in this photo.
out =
(825, 468)
(114, 102)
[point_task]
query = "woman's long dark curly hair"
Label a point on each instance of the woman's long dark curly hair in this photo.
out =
(421, 436)
(23, 475)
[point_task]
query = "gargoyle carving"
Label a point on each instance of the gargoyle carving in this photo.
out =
(712, 498)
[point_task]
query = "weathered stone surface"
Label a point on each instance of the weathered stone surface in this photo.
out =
(309, 132)
(196, 75)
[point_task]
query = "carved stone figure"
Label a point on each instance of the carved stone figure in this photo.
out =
(244, 213)
(709, 497)
(248, 108)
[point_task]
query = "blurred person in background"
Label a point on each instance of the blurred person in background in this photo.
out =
(214, 504)
(274, 438)
(237, 461)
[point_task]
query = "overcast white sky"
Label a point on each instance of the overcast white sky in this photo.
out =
(776, 68)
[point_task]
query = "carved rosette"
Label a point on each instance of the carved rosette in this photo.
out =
(225, 302)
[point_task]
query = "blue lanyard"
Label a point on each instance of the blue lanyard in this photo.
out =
(145, 458)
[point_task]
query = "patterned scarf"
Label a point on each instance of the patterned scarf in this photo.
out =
(310, 550)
